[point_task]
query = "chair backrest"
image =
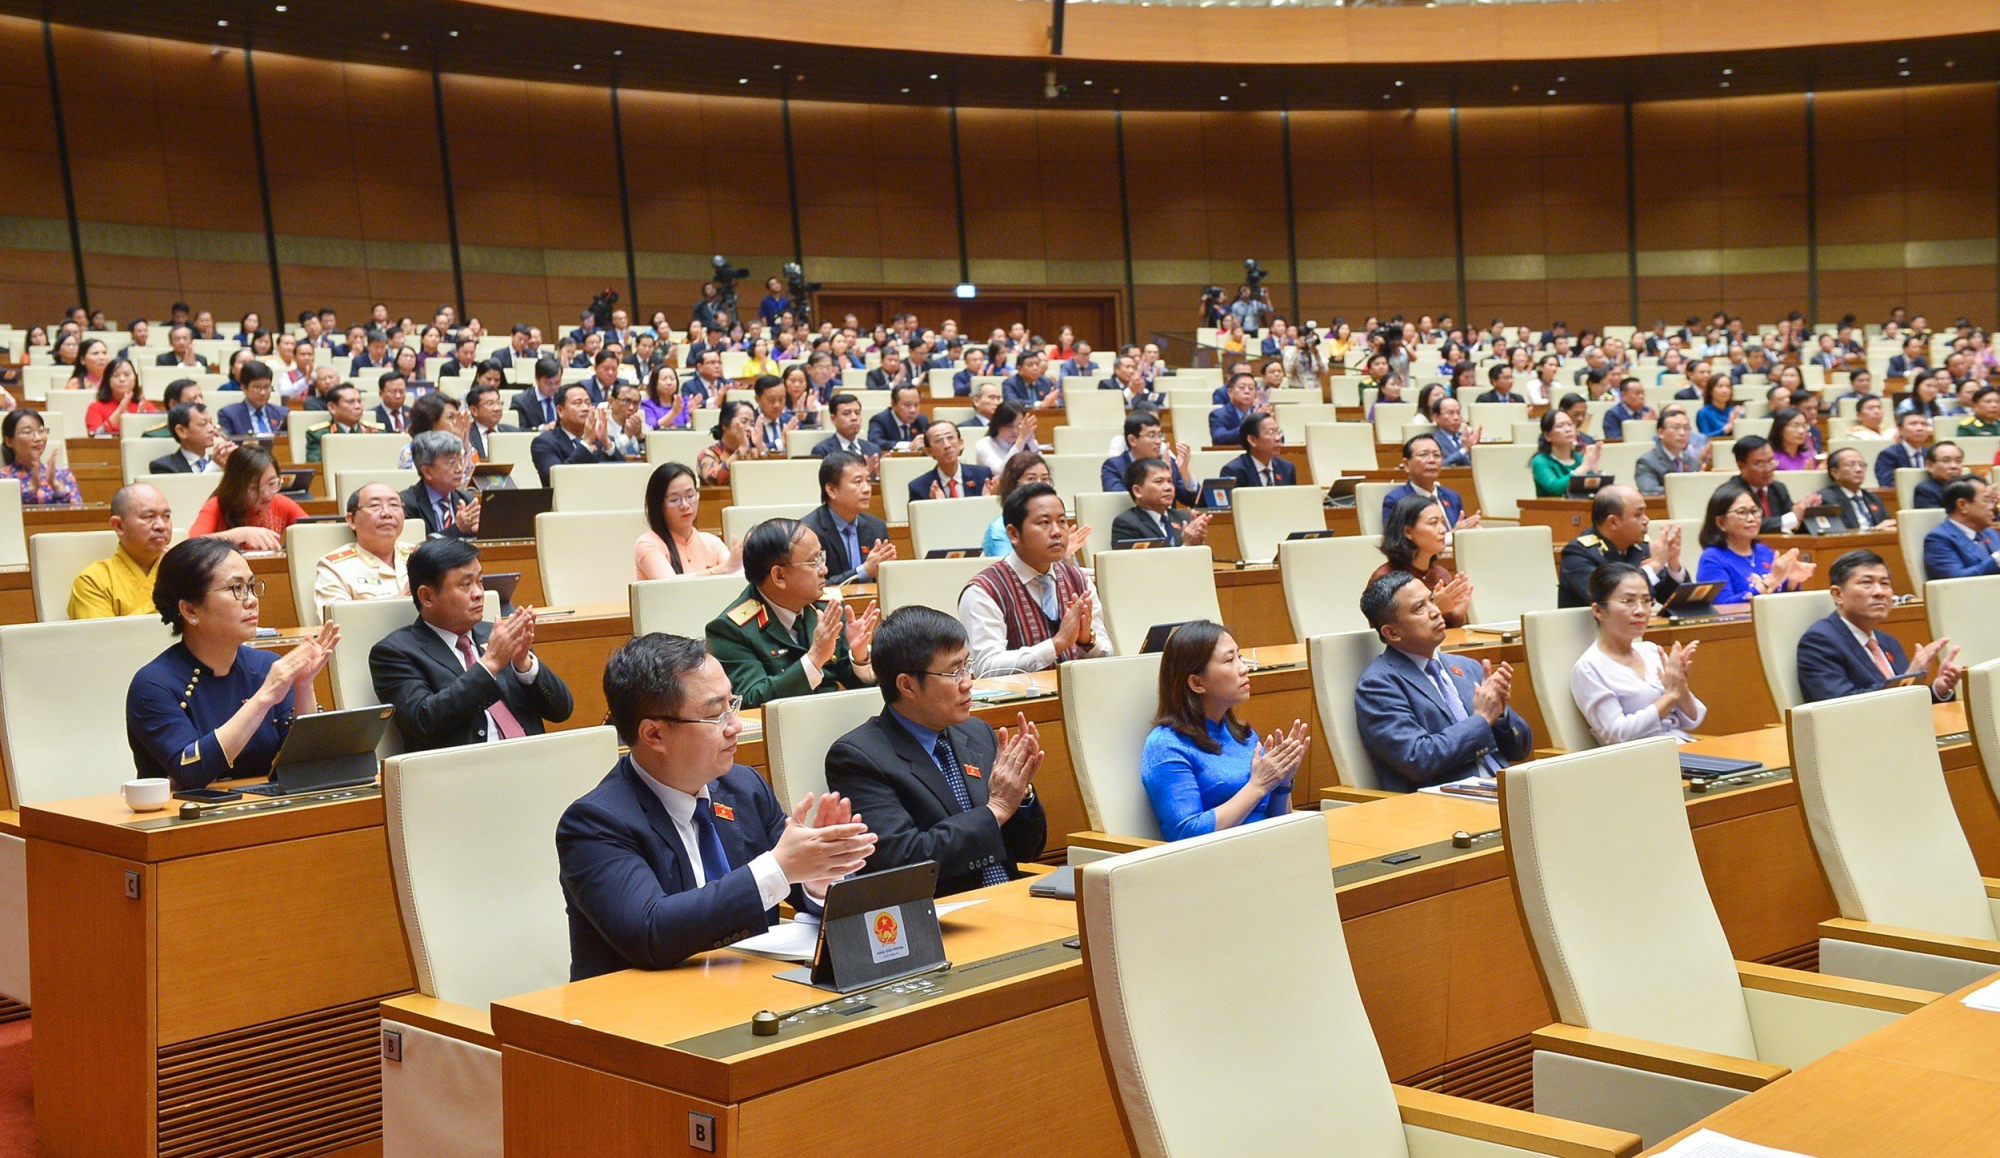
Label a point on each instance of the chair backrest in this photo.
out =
(516, 448)
(363, 624)
(1096, 510)
(136, 455)
(307, 543)
(476, 874)
(586, 556)
(1688, 492)
(951, 523)
(1088, 406)
(798, 731)
(682, 605)
(898, 472)
(1513, 570)
(1337, 448)
(1293, 419)
(1108, 709)
(347, 482)
(1075, 474)
(761, 482)
(1612, 896)
(1078, 439)
(1323, 580)
(1141, 588)
(1368, 498)
(934, 583)
(62, 703)
(737, 521)
(1960, 610)
(54, 559)
(1554, 641)
(344, 452)
(1388, 421)
(1208, 464)
(1912, 524)
(1778, 620)
(185, 494)
(600, 486)
(1982, 712)
(798, 443)
(1502, 479)
(1496, 415)
(1337, 660)
(1266, 515)
(1621, 459)
(1881, 817)
(682, 446)
(1163, 968)
(1638, 432)
(1907, 478)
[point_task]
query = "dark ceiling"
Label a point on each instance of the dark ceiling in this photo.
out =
(476, 38)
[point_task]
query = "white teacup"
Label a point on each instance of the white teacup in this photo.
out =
(148, 795)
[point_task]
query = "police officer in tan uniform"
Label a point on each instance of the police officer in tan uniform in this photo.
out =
(376, 564)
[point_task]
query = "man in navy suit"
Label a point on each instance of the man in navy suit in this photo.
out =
(951, 478)
(679, 849)
(256, 416)
(1427, 717)
(1259, 464)
(1965, 544)
(1423, 462)
(1945, 462)
(1848, 653)
(901, 422)
(1028, 387)
(1225, 422)
(1911, 448)
(1144, 440)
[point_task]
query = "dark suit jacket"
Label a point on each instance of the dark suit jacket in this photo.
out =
(382, 419)
(554, 447)
(1834, 496)
(1928, 494)
(477, 436)
(885, 430)
(1134, 526)
(896, 785)
(172, 462)
(1454, 506)
(440, 704)
(973, 480)
(1410, 733)
(417, 505)
(1832, 663)
(878, 379)
(1243, 469)
(1026, 394)
(235, 418)
(504, 357)
(1894, 457)
(628, 881)
(1113, 477)
(1584, 554)
(168, 359)
(527, 408)
(1225, 426)
(868, 531)
(1780, 504)
(831, 443)
(1950, 554)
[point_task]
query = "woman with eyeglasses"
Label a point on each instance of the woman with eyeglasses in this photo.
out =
(1627, 687)
(25, 458)
(1732, 555)
(673, 547)
(247, 509)
(211, 707)
(1203, 768)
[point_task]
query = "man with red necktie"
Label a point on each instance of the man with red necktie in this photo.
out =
(952, 478)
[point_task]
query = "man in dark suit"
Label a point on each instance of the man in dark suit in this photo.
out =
(855, 542)
(1848, 653)
(1860, 510)
(1028, 387)
(777, 640)
(1965, 544)
(1423, 463)
(483, 403)
(1225, 422)
(444, 507)
(1912, 447)
(951, 478)
(181, 339)
(535, 408)
(1427, 717)
(1913, 360)
(1259, 464)
(933, 782)
(256, 416)
(901, 422)
(1143, 439)
(1153, 519)
(890, 374)
(845, 412)
(1670, 453)
(1756, 466)
(679, 849)
(1944, 463)
(517, 343)
(199, 447)
(392, 414)
(1617, 534)
(454, 679)
(580, 435)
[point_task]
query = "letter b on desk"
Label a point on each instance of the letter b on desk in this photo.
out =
(701, 1131)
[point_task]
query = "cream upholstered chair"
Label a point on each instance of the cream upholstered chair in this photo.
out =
(1086, 406)
(798, 443)
(1077, 439)
(64, 737)
(1913, 910)
(1208, 464)
(927, 582)
(1501, 476)
(1960, 610)
(898, 472)
(1108, 709)
(1337, 660)
(1295, 417)
(737, 521)
(1389, 419)
(1555, 640)
(1513, 570)
(682, 605)
(1323, 581)
(516, 448)
(1163, 974)
(363, 624)
(798, 731)
(1075, 474)
(1266, 515)
(1907, 478)
(480, 891)
(1868, 448)
(1620, 460)
(682, 446)
(185, 494)
(1657, 1025)
(307, 543)
(1912, 524)
(586, 556)
(1778, 620)
(600, 486)
(1368, 498)
(54, 561)
(948, 524)
(1141, 588)
(761, 482)
(136, 455)
(339, 452)
(1688, 492)
(398, 479)
(1337, 448)
(1096, 510)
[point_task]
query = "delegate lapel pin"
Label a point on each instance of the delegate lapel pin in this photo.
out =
(722, 811)
(972, 770)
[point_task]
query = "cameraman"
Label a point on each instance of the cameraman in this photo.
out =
(1251, 307)
(775, 302)
(706, 310)
(1212, 308)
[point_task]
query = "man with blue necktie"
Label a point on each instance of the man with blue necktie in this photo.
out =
(680, 849)
(535, 409)
(256, 416)
(1423, 462)
(1965, 544)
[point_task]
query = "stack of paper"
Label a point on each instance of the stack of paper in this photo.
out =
(1709, 1144)
(1986, 997)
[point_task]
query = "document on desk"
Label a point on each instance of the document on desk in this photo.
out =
(1986, 997)
(1471, 788)
(1709, 1144)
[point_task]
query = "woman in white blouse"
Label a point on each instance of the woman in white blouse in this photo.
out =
(1627, 688)
(1009, 432)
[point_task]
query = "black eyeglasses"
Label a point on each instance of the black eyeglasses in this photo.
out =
(733, 711)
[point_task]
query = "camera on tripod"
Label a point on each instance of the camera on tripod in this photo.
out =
(600, 307)
(1254, 275)
(802, 291)
(725, 281)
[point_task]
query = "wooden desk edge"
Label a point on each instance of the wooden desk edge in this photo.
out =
(445, 1018)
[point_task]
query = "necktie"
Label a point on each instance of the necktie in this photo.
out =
(503, 716)
(714, 858)
(1880, 657)
(1764, 501)
(445, 518)
(951, 488)
(258, 423)
(1045, 594)
(1267, 477)
(852, 541)
(1862, 519)
(1456, 709)
(1168, 531)
(947, 762)
(548, 410)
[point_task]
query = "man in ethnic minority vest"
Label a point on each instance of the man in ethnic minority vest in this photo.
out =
(1034, 608)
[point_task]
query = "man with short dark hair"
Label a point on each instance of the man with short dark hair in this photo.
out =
(375, 356)
(535, 407)
(951, 478)
(1965, 544)
(856, 543)
(891, 373)
(1029, 387)
(256, 416)
(515, 349)
(453, 678)
(935, 783)
(1033, 608)
(1143, 439)
(1914, 358)
(901, 422)
(844, 413)
(1859, 509)
(1669, 454)
(1153, 518)
(1501, 378)
(1944, 463)
(581, 434)
(1225, 422)
(1617, 534)
(1631, 404)
(343, 410)
(680, 849)
(484, 405)
(1911, 448)
(1423, 462)
(776, 641)
(201, 446)
(1260, 465)
(1848, 653)
(1757, 466)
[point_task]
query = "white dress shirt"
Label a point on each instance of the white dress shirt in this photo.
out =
(986, 627)
(1620, 706)
(526, 677)
(771, 884)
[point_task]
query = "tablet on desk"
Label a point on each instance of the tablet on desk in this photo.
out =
(1691, 601)
(1216, 493)
(1583, 486)
(327, 750)
(492, 476)
(297, 481)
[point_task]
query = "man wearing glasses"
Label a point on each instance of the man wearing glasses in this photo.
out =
(680, 849)
(935, 783)
(776, 640)
(453, 678)
(376, 564)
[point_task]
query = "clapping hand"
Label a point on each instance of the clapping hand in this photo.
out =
(861, 632)
(1195, 531)
(880, 553)
(1276, 761)
(1949, 669)
(1079, 534)
(1015, 761)
(823, 841)
(1455, 596)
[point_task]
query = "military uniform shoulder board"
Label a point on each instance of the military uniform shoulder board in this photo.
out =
(1590, 540)
(744, 612)
(319, 426)
(405, 549)
(339, 553)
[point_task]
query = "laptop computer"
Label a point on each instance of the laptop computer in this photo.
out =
(509, 512)
(327, 750)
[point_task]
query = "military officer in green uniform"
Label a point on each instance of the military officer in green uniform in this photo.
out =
(777, 640)
(1618, 535)
(343, 406)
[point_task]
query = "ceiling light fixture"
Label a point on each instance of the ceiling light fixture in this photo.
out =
(1725, 84)
(222, 24)
(1729, 72)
